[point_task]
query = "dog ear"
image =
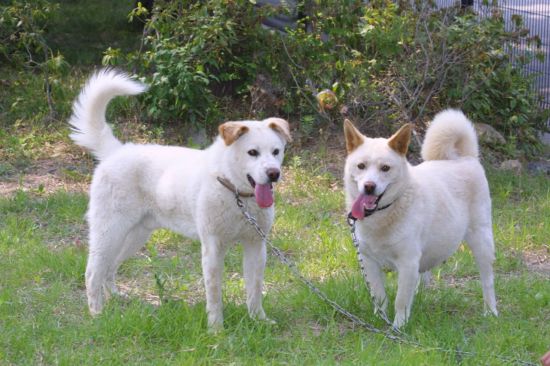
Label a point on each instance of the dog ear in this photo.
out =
(400, 140)
(354, 138)
(231, 131)
(280, 126)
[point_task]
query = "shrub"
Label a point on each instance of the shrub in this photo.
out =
(22, 28)
(197, 54)
(403, 64)
(387, 63)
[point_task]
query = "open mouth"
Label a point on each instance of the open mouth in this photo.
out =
(251, 181)
(262, 192)
(365, 205)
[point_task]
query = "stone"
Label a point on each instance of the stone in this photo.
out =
(539, 167)
(512, 165)
(487, 134)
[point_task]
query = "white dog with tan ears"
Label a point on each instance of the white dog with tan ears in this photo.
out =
(139, 188)
(412, 218)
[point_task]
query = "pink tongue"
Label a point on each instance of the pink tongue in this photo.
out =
(264, 195)
(361, 203)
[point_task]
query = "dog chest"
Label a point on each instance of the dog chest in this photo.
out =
(225, 220)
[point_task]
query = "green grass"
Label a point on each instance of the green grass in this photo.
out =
(44, 319)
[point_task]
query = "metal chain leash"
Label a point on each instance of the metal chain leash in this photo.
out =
(399, 337)
(294, 269)
(351, 222)
(459, 353)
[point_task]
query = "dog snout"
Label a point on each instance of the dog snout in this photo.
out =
(370, 187)
(273, 174)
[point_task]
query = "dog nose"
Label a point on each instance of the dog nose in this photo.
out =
(370, 187)
(273, 174)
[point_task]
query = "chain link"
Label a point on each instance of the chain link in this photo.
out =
(397, 336)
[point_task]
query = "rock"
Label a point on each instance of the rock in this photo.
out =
(539, 167)
(545, 137)
(487, 134)
(512, 165)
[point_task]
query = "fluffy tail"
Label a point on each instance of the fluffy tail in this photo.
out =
(90, 129)
(450, 136)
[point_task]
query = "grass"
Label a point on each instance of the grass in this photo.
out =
(44, 318)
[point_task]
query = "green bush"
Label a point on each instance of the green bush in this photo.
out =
(402, 64)
(487, 84)
(388, 63)
(197, 54)
(23, 25)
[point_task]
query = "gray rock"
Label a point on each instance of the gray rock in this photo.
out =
(512, 165)
(487, 134)
(539, 167)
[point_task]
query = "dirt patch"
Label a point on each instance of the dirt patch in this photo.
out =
(538, 260)
(71, 173)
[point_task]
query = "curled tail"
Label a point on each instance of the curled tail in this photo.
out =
(89, 127)
(450, 136)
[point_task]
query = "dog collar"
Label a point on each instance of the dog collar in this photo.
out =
(230, 186)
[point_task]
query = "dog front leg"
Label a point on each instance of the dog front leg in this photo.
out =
(212, 267)
(407, 280)
(375, 282)
(254, 258)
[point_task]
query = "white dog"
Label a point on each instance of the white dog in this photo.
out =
(411, 219)
(139, 188)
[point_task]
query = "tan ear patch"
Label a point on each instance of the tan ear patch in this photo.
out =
(400, 140)
(231, 131)
(354, 138)
(280, 126)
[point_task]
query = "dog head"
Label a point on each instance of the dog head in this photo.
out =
(375, 169)
(254, 154)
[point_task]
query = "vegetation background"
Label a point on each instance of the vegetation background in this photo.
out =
(381, 64)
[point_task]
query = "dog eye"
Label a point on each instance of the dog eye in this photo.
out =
(361, 166)
(253, 152)
(385, 168)
(276, 152)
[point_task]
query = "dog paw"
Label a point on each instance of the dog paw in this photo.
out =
(490, 312)
(215, 328)
(266, 320)
(95, 307)
(257, 313)
(398, 322)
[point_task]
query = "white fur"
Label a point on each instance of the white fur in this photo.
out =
(434, 206)
(139, 188)
(90, 130)
(450, 136)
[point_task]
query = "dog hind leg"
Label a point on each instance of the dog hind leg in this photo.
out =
(426, 278)
(480, 241)
(106, 241)
(134, 241)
